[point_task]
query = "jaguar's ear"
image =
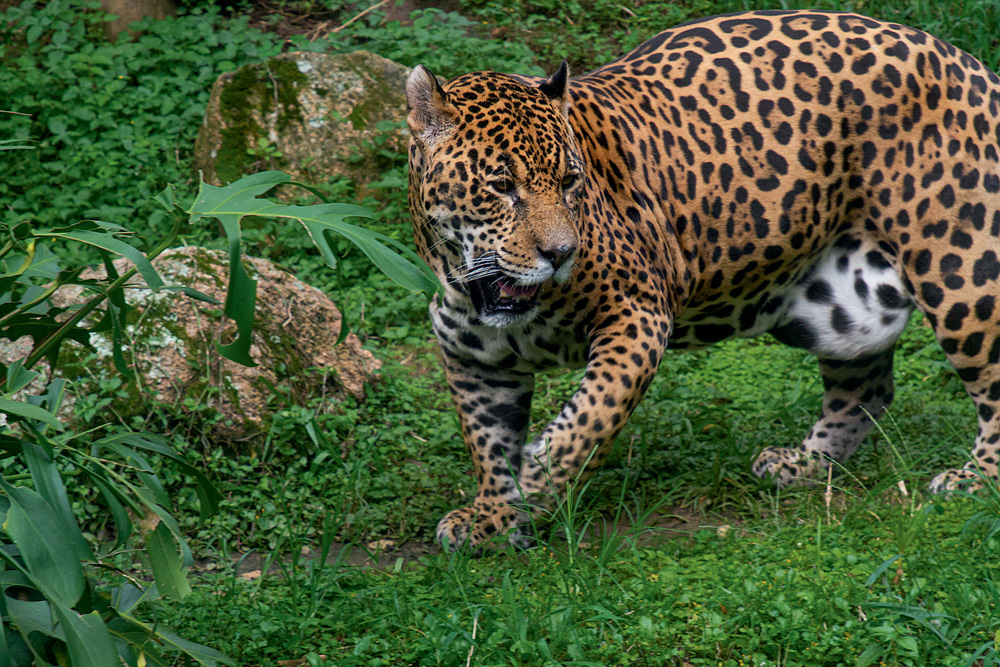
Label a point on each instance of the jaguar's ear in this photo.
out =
(430, 114)
(555, 88)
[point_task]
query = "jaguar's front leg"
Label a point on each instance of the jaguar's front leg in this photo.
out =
(620, 368)
(494, 407)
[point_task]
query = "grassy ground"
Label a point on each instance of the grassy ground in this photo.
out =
(868, 572)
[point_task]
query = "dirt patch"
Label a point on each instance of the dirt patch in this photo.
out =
(289, 19)
(660, 529)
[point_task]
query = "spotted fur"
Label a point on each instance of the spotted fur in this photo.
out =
(814, 175)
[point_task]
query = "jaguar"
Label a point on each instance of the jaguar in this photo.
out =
(813, 175)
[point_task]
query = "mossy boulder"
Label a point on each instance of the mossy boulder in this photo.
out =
(172, 347)
(311, 115)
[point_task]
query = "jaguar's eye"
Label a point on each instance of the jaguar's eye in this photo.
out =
(569, 180)
(504, 186)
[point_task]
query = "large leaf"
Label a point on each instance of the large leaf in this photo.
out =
(87, 639)
(29, 411)
(49, 484)
(229, 204)
(32, 617)
(242, 198)
(166, 563)
(241, 296)
(38, 532)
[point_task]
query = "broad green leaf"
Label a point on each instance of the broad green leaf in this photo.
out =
(87, 639)
(166, 563)
(241, 297)
(29, 411)
(213, 201)
(49, 484)
(39, 534)
(32, 617)
(44, 265)
(20, 263)
(165, 198)
(17, 377)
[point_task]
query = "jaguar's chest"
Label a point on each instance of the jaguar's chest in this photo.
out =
(551, 340)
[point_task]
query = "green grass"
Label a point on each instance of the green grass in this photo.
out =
(796, 579)
(792, 579)
(803, 590)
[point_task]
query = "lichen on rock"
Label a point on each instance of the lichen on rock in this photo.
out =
(172, 345)
(326, 114)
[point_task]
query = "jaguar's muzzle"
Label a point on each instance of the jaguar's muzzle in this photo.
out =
(496, 293)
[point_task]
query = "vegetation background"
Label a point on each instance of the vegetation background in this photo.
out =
(674, 554)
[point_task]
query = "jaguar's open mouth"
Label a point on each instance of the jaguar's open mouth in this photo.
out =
(496, 293)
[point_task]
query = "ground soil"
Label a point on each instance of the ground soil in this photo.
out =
(661, 528)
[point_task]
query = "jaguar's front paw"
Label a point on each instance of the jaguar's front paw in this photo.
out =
(961, 479)
(476, 527)
(786, 466)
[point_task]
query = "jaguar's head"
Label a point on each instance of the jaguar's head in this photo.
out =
(496, 180)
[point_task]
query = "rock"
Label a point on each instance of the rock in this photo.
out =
(172, 345)
(311, 115)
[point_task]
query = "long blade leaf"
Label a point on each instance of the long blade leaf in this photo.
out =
(87, 639)
(38, 532)
(166, 563)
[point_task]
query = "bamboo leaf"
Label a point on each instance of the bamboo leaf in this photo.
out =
(202, 654)
(87, 639)
(38, 532)
(49, 484)
(29, 411)
(208, 495)
(166, 563)
(105, 240)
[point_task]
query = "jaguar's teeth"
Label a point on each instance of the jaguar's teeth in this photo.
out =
(510, 290)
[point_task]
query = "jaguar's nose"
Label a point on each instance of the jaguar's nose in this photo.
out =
(557, 255)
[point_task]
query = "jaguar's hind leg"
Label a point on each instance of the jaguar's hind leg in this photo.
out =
(856, 392)
(975, 354)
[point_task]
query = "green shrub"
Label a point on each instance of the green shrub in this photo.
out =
(112, 123)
